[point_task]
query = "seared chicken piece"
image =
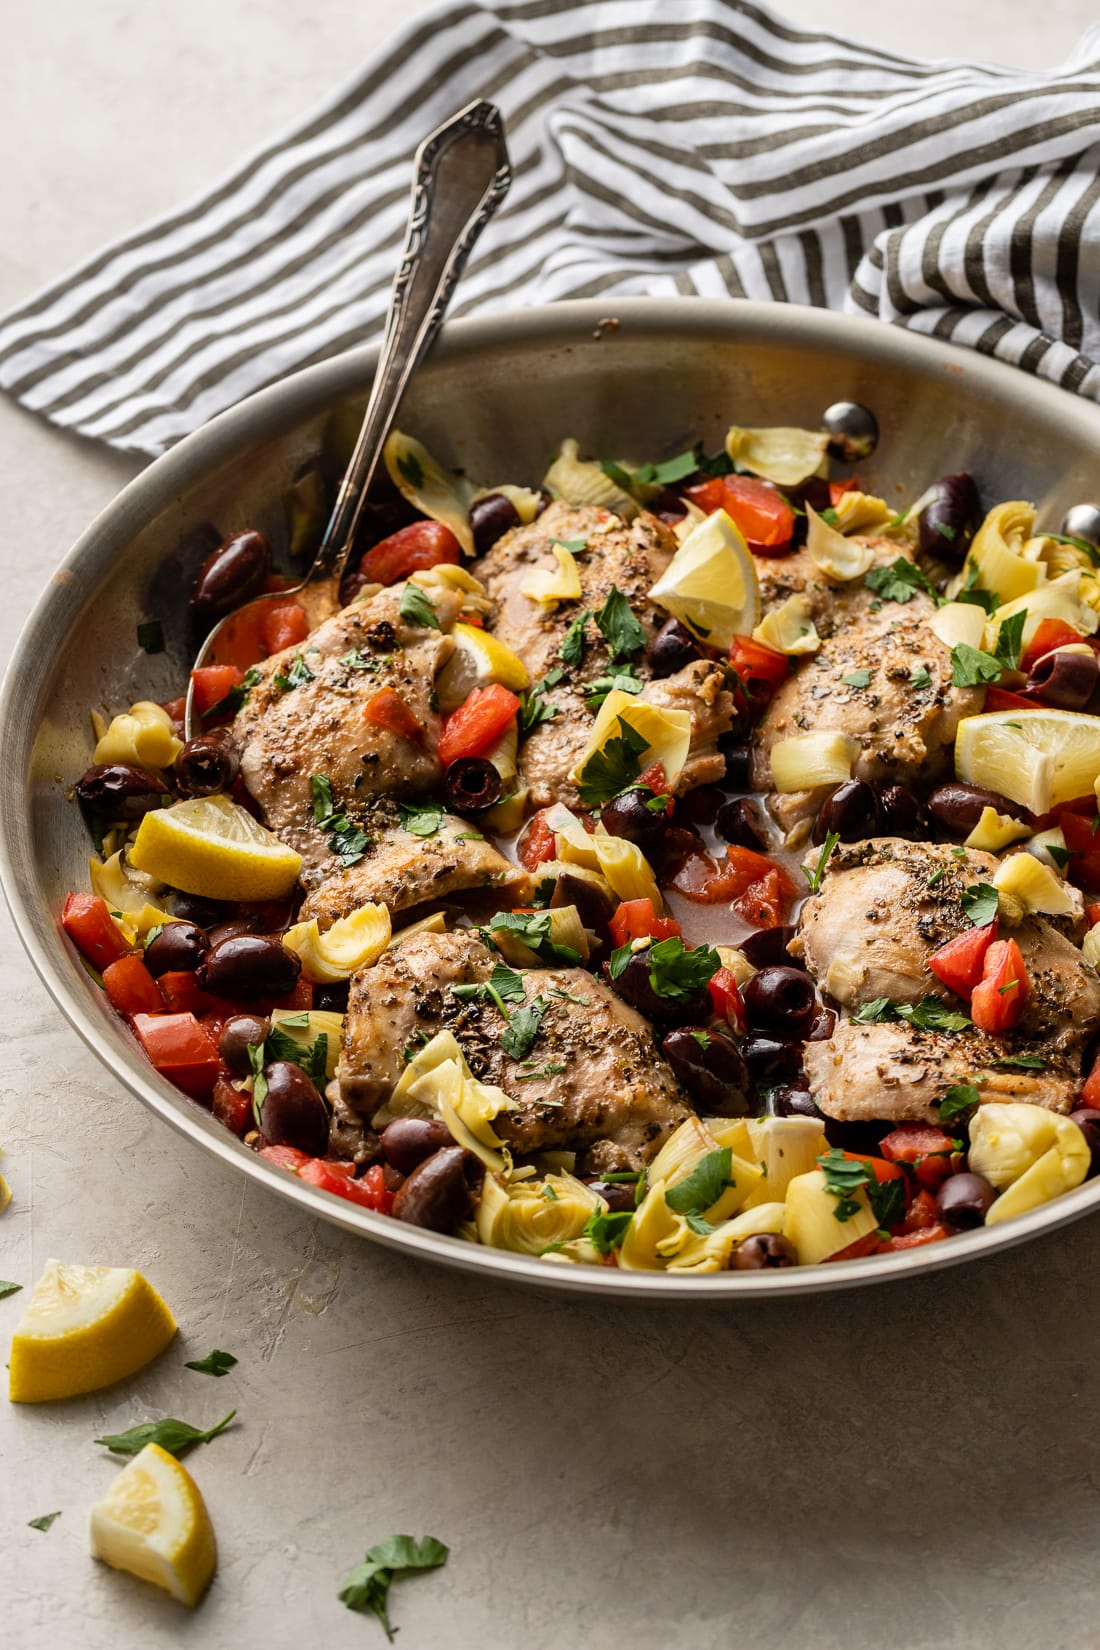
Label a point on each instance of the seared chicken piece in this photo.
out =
(614, 1100)
(628, 557)
(287, 733)
(904, 718)
(401, 870)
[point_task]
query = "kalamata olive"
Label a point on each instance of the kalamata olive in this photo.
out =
(738, 757)
(949, 521)
(628, 816)
(852, 430)
(822, 1025)
(672, 648)
(231, 574)
(958, 807)
(767, 947)
(710, 1066)
(788, 1101)
(332, 999)
(242, 1032)
(178, 946)
(407, 1141)
(668, 506)
(292, 1112)
(1083, 522)
(205, 913)
(595, 903)
(739, 821)
(207, 764)
(901, 813)
(490, 517)
(617, 1194)
(781, 1001)
(116, 790)
(248, 966)
(700, 806)
(851, 811)
(964, 1199)
(771, 1061)
(437, 1194)
(1087, 1119)
(634, 987)
(546, 499)
(472, 785)
(1065, 680)
(250, 923)
(352, 583)
(764, 1252)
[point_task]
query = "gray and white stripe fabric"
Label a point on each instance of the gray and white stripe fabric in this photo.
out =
(659, 146)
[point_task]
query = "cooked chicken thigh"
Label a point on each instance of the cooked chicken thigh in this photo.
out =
(594, 1081)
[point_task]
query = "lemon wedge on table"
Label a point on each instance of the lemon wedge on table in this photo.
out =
(1038, 758)
(211, 845)
(710, 584)
(85, 1327)
(153, 1523)
(479, 658)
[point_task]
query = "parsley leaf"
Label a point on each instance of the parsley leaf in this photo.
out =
(235, 698)
(177, 1437)
(970, 667)
(409, 466)
(897, 582)
(576, 547)
(416, 609)
(623, 677)
(504, 985)
(679, 974)
(673, 469)
(215, 1363)
(43, 1522)
(150, 638)
(887, 1200)
(843, 1177)
(367, 1587)
(606, 1229)
(920, 678)
(311, 1057)
(523, 1028)
(959, 1097)
(297, 676)
(857, 678)
(357, 660)
(572, 646)
(620, 628)
(827, 847)
(346, 840)
(534, 708)
(1025, 1062)
(421, 818)
(8, 1288)
(533, 929)
(980, 902)
(259, 1081)
(614, 767)
(930, 1014)
(1010, 640)
(698, 1190)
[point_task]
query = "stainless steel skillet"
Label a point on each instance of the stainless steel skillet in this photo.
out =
(496, 397)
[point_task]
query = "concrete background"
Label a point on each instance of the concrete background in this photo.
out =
(915, 1465)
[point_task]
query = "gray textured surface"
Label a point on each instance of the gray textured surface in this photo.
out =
(913, 1466)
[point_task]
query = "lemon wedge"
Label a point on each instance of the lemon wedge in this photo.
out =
(710, 584)
(5, 1194)
(1039, 758)
(211, 845)
(85, 1327)
(478, 659)
(153, 1524)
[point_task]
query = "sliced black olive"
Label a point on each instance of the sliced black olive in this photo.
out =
(490, 518)
(207, 764)
(712, 1069)
(672, 648)
(1065, 680)
(472, 785)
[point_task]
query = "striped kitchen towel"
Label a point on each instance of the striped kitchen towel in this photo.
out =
(659, 146)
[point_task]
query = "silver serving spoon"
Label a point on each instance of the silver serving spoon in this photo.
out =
(462, 174)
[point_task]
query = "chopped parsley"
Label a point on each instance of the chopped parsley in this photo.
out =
(43, 1521)
(624, 678)
(1025, 1062)
(614, 767)
(897, 582)
(930, 1014)
(177, 1437)
(150, 638)
(699, 1190)
(551, 1069)
(857, 678)
(312, 1057)
(259, 1081)
(469, 836)
(357, 660)
(920, 678)
(576, 547)
(504, 985)
(970, 667)
(959, 1098)
(409, 467)
(936, 878)
(421, 818)
(606, 1229)
(367, 1588)
(1010, 640)
(534, 708)
(523, 1029)
(235, 698)
(416, 609)
(620, 628)
(215, 1363)
(417, 1041)
(844, 1176)
(533, 929)
(827, 847)
(297, 676)
(346, 840)
(1087, 549)
(8, 1288)
(572, 647)
(980, 902)
(653, 475)
(679, 974)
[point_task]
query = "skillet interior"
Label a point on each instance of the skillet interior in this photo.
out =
(495, 398)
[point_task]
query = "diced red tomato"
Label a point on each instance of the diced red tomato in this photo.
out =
(1049, 634)
(1083, 842)
(410, 550)
(88, 923)
(880, 1167)
(538, 843)
(240, 641)
(1090, 1088)
(636, 919)
(837, 489)
(287, 1157)
(960, 962)
(764, 903)
(478, 723)
(921, 1213)
(183, 995)
(759, 666)
(760, 512)
(997, 698)
(300, 997)
(999, 997)
(914, 1240)
(212, 683)
(1092, 914)
(726, 998)
(131, 987)
(866, 1245)
(181, 1050)
(177, 710)
(912, 1141)
(700, 878)
(386, 709)
(654, 779)
(283, 625)
(232, 1106)
(369, 1192)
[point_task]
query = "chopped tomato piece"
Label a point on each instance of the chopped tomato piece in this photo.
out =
(287, 1157)
(212, 683)
(909, 1142)
(177, 710)
(283, 625)
(183, 995)
(478, 723)
(1092, 915)
(726, 998)
(1083, 841)
(240, 641)
(960, 962)
(636, 919)
(410, 550)
(300, 997)
(1002, 699)
(232, 1106)
(386, 709)
(837, 489)
(654, 779)
(914, 1240)
(181, 1049)
(880, 1167)
(538, 843)
(369, 1192)
(866, 1245)
(131, 987)
(1000, 995)
(759, 666)
(922, 1212)
(760, 512)
(88, 923)
(1090, 1089)
(764, 903)
(1049, 634)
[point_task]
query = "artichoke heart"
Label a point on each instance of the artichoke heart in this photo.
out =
(1036, 886)
(628, 872)
(683, 1152)
(566, 928)
(305, 1028)
(435, 924)
(439, 1083)
(1090, 947)
(540, 585)
(783, 455)
(856, 511)
(656, 1233)
(667, 734)
(840, 559)
(812, 1221)
(1031, 1155)
(957, 623)
(448, 576)
(142, 735)
(995, 831)
(525, 501)
(785, 1147)
(713, 1252)
(528, 1216)
(124, 889)
(353, 942)
(1061, 599)
(789, 628)
(997, 561)
(580, 482)
(812, 759)
(428, 487)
